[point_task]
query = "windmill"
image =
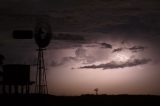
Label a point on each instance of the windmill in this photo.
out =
(96, 90)
(42, 38)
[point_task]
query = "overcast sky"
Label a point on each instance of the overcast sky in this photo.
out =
(112, 45)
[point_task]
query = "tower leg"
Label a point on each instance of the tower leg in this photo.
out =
(41, 81)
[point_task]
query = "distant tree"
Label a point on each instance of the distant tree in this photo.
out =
(96, 90)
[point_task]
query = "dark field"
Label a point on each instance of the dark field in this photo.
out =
(86, 100)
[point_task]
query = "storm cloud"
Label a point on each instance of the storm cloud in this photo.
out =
(117, 50)
(114, 65)
(70, 37)
(137, 48)
(133, 49)
(80, 53)
(106, 45)
(63, 61)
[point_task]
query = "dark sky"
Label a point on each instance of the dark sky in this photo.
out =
(112, 45)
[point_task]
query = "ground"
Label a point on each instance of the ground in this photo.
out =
(84, 100)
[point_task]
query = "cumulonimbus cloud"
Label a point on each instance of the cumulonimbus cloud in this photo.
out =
(114, 65)
(63, 61)
(80, 52)
(117, 50)
(106, 45)
(70, 37)
(133, 49)
(136, 48)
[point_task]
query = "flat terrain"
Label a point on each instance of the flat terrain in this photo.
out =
(85, 100)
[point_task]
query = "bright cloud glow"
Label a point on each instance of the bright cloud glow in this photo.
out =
(122, 56)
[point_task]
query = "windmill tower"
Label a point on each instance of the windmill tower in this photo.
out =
(42, 37)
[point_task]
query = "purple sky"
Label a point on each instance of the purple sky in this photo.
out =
(112, 45)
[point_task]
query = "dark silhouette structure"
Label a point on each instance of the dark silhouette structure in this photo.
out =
(1, 63)
(1, 59)
(41, 81)
(96, 90)
(16, 79)
(22, 34)
(42, 37)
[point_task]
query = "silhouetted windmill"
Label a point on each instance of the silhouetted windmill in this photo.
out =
(96, 90)
(42, 37)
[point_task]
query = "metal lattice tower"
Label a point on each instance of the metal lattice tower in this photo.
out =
(41, 81)
(42, 36)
